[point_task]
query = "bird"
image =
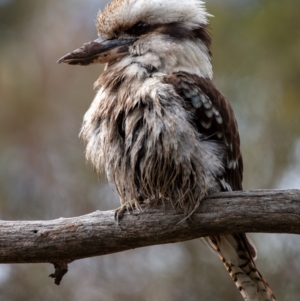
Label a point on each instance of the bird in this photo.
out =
(159, 126)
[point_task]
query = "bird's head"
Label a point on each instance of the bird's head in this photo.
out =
(159, 35)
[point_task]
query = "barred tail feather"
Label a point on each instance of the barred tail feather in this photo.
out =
(237, 254)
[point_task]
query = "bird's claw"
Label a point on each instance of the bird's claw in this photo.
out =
(129, 207)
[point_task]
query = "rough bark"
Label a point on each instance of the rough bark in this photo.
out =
(64, 240)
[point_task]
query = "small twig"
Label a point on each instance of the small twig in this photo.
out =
(61, 269)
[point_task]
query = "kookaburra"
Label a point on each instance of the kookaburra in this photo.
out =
(158, 125)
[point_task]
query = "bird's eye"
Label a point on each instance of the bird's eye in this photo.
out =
(139, 28)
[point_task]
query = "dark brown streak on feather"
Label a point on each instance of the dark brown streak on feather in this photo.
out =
(204, 35)
(175, 31)
(179, 32)
(120, 124)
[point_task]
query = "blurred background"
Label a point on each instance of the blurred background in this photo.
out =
(43, 174)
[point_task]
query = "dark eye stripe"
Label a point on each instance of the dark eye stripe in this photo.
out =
(139, 28)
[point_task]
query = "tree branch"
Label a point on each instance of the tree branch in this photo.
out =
(64, 240)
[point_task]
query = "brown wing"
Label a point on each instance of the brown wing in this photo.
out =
(214, 119)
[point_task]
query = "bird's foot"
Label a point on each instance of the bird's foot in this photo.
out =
(129, 206)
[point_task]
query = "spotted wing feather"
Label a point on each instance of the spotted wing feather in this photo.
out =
(214, 119)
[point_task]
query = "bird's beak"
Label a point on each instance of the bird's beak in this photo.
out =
(98, 51)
